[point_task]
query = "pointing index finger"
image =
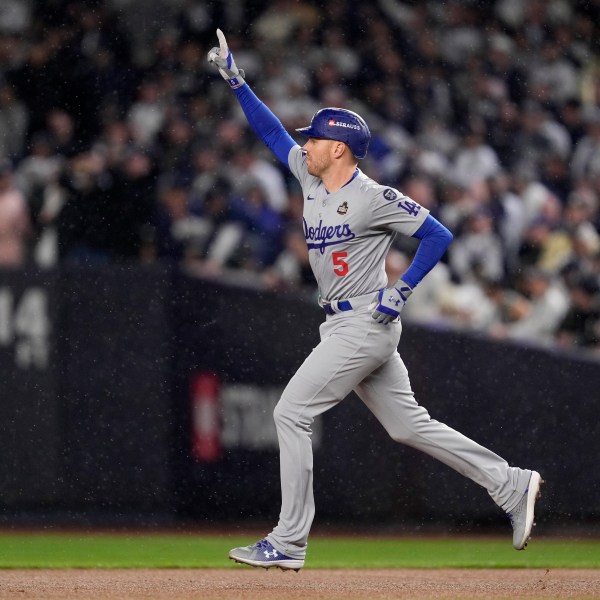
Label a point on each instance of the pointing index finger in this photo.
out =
(222, 43)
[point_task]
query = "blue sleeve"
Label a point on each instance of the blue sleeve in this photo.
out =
(265, 124)
(435, 238)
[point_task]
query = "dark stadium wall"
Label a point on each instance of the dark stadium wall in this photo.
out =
(143, 395)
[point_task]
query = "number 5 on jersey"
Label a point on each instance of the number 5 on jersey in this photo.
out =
(341, 267)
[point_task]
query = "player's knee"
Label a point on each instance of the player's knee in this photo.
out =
(281, 416)
(286, 418)
(401, 435)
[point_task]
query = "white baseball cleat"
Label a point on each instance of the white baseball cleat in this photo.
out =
(263, 554)
(521, 517)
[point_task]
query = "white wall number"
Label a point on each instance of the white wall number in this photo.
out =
(25, 325)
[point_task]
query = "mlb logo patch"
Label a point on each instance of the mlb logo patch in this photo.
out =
(331, 122)
(390, 194)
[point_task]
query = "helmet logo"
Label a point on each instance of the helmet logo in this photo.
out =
(334, 123)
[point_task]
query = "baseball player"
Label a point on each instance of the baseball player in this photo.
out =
(349, 223)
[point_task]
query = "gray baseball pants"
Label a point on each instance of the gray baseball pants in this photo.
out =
(356, 353)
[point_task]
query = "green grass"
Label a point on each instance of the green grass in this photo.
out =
(69, 550)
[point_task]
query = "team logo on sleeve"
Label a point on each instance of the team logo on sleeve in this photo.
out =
(342, 209)
(406, 204)
(390, 194)
(410, 207)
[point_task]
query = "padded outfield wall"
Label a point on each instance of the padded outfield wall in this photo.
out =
(143, 395)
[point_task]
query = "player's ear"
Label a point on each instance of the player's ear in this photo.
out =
(342, 150)
(339, 149)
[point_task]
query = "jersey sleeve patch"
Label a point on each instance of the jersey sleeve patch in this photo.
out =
(392, 210)
(390, 194)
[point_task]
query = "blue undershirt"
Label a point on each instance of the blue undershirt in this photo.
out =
(266, 125)
(434, 237)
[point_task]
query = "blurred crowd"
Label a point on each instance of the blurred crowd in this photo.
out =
(119, 143)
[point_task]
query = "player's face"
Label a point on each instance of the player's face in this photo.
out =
(319, 155)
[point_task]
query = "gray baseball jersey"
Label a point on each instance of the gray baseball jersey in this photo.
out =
(349, 232)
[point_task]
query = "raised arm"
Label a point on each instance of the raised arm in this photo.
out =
(266, 125)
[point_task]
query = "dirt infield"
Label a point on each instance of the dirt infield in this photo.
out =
(245, 583)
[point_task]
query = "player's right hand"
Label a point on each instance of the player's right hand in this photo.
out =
(222, 58)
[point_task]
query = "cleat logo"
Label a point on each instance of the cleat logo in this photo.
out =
(271, 554)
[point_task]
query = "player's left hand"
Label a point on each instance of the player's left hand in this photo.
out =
(390, 302)
(222, 58)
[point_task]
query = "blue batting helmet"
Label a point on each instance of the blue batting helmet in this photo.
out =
(342, 125)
